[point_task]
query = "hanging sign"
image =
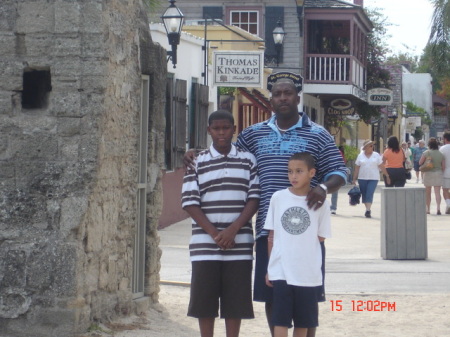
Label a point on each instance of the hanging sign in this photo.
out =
(379, 96)
(238, 68)
(341, 107)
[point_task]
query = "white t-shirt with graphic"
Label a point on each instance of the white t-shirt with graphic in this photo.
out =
(296, 255)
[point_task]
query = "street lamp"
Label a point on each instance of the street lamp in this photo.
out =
(278, 37)
(393, 116)
(173, 21)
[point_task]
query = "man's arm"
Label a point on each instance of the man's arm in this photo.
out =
(226, 237)
(317, 195)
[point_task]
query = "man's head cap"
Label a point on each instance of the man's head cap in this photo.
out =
(297, 79)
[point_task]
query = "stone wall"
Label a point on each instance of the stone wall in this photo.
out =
(68, 162)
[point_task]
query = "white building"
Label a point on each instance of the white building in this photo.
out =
(417, 88)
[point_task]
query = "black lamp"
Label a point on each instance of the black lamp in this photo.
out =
(278, 37)
(393, 116)
(173, 21)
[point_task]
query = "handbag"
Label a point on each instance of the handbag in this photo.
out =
(408, 175)
(354, 195)
(427, 165)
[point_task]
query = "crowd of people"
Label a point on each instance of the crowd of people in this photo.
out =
(397, 163)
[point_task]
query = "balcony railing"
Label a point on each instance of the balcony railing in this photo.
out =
(335, 69)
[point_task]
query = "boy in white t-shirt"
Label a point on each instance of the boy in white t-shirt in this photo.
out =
(295, 262)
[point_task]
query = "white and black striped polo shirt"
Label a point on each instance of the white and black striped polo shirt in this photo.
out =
(221, 186)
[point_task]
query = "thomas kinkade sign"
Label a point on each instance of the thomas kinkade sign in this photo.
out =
(238, 68)
(341, 107)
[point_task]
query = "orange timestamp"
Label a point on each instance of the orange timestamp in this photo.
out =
(363, 305)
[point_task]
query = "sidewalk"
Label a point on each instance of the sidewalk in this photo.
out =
(353, 262)
(366, 295)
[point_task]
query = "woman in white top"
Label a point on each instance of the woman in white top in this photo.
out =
(368, 165)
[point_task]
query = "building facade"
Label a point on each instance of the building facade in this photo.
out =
(325, 42)
(81, 123)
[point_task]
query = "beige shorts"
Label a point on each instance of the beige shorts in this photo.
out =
(432, 178)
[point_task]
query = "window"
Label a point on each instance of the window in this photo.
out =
(36, 88)
(246, 20)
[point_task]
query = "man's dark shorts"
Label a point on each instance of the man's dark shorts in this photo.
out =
(263, 293)
(226, 282)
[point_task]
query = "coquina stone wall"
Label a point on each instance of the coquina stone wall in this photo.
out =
(70, 100)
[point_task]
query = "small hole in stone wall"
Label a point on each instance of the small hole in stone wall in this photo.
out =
(37, 85)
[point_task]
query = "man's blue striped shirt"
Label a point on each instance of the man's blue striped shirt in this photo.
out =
(273, 150)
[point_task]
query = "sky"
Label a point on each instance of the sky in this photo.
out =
(411, 23)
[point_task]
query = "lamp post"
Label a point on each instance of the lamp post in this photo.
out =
(173, 21)
(278, 37)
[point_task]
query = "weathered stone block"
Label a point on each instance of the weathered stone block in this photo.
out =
(73, 210)
(19, 207)
(11, 74)
(3, 147)
(68, 127)
(66, 45)
(13, 268)
(8, 15)
(67, 16)
(13, 303)
(94, 66)
(95, 45)
(41, 264)
(65, 103)
(6, 107)
(66, 68)
(35, 146)
(93, 86)
(35, 17)
(39, 45)
(7, 43)
(69, 148)
(89, 149)
(91, 15)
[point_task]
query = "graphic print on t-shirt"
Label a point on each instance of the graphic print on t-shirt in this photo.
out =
(295, 220)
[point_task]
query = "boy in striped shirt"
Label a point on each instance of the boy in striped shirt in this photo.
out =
(221, 194)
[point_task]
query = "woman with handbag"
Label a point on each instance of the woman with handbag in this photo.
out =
(432, 173)
(393, 160)
(368, 165)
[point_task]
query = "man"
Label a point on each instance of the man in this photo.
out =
(445, 150)
(272, 143)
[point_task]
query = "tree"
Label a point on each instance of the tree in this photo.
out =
(377, 77)
(412, 61)
(440, 35)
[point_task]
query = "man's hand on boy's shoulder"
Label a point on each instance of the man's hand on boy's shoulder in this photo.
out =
(188, 159)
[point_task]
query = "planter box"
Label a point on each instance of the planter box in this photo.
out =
(403, 223)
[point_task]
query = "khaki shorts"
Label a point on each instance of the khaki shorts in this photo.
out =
(432, 178)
